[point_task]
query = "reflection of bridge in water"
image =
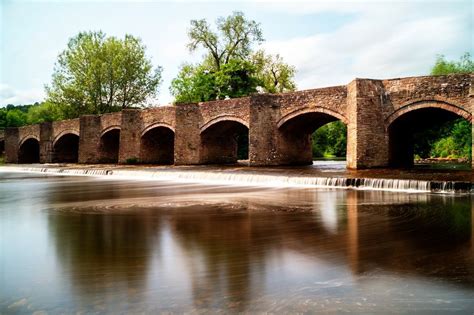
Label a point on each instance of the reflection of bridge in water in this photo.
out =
(224, 247)
(381, 116)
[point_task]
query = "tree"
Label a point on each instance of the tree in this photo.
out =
(97, 74)
(330, 140)
(230, 67)
(44, 112)
(234, 40)
(443, 67)
(274, 75)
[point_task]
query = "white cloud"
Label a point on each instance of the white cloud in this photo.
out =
(382, 42)
(9, 95)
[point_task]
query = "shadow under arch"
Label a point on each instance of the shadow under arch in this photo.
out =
(66, 147)
(109, 145)
(224, 140)
(415, 117)
(157, 144)
(29, 151)
(296, 129)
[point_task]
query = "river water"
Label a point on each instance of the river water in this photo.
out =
(102, 245)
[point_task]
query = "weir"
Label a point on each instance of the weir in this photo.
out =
(265, 180)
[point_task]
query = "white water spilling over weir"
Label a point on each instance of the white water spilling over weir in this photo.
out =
(251, 179)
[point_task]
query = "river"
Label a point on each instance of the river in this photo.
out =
(71, 244)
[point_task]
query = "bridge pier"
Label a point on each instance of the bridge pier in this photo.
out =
(187, 146)
(367, 138)
(130, 136)
(46, 142)
(12, 142)
(264, 142)
(89, 139)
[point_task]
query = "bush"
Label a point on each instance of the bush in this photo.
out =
(132, 160)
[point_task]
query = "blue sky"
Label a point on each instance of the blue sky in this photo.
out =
(329, 42)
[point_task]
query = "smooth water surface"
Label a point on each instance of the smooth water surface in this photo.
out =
(91, 245)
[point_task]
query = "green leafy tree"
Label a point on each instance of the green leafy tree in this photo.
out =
(15, 118)
(330, 140)
(44, 112)
(230, 67)
(443, 66)
(97, 74)
(233, 40)
(273, 73)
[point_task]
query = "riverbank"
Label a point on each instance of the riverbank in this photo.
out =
(323, 174)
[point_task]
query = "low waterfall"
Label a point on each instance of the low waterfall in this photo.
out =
(252, 179)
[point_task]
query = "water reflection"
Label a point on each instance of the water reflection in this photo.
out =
(156, 247)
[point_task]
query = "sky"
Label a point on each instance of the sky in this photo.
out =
(329, 42)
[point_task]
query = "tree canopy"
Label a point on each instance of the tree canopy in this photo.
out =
(443, 66)
(230, 67)
(97, 74)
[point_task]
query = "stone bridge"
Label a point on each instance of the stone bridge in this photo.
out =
(381, 117)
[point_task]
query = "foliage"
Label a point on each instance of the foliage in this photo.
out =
(234, 38)
(443, 67)
(330, 140)
(273, 74)
(97, 74)
(453, 138)
(132, 160)
(230, 68)
(16, 116)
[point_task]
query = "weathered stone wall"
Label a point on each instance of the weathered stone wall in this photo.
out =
(89, 138)
(31, 131)
(63, 127)
(233, 109)
(12, 140)
(450, 89)
(367, 143)
(331, 100)
(187, 145)
(163, 116)
(110, 121)
(279, 125)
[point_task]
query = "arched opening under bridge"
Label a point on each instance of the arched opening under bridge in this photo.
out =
(157, 146)
(109, 146)
(430, 136)
(29, 151)
(66, 149)
(312, 135)
(224, 142)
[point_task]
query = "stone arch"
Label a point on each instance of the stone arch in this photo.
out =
(156, 125)
(224, 140)
(413, 117)
(223, 118)
(109, 145)
(296, 129)
(431, 103)
(65, 132)
(110, 128)
(157, 144)
(25, 138)
(66, 147)
(303, 111)
(29, 150)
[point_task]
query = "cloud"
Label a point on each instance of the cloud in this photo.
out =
(394, 40)
(9, 95)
